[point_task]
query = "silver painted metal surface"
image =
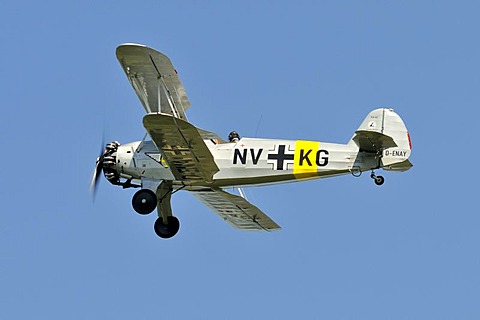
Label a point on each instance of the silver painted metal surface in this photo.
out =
(154, 80)
(235, 210)
(182, 156)
(187, 155)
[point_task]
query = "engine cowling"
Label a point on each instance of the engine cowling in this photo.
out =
(109, 163)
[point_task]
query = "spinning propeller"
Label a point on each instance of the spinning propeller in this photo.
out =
(106, 163)
(97, 172)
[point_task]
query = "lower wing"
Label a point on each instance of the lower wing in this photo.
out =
(236, 210)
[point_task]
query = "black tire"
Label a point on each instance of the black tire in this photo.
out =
(168, 230)
(144, 201)
(379, 180)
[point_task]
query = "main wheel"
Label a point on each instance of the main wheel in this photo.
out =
(379, 180)
(144, 201)
(168, 230)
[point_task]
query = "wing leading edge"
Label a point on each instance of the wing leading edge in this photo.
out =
(154, 80)
(235, 210)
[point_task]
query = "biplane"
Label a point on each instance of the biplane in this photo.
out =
(180, 156)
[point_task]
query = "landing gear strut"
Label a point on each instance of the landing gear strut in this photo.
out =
(379, 180)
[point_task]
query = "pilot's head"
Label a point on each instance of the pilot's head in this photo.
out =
(233, 136)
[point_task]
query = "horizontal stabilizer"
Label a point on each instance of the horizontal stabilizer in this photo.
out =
(372, 141)
(399, 166)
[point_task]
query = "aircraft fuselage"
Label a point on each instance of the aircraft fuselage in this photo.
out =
(252, 161)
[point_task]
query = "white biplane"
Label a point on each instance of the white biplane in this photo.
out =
(181, 156)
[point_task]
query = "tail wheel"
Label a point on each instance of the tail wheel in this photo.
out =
(144, 201)
(379, 180)
(167, 230)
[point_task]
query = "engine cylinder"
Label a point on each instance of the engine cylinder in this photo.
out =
(109, 161)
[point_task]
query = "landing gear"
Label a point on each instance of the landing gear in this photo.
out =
(144, 201)
(379, 180)
(166, 230)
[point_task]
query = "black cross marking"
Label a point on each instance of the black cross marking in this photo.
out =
(280, 157)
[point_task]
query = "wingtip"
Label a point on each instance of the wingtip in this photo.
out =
(131, 44)
(127, 46)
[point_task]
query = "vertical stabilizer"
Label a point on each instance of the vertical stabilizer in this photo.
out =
(384, 132)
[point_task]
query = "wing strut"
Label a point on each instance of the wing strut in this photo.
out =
(242, 194)
(169, 98)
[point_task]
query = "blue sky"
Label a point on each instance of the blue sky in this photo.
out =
(307, 69)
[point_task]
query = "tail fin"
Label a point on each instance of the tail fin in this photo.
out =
(383, 131)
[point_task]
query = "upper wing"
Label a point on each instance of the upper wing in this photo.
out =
(154, 79)
(182, 146)
(236, 210)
